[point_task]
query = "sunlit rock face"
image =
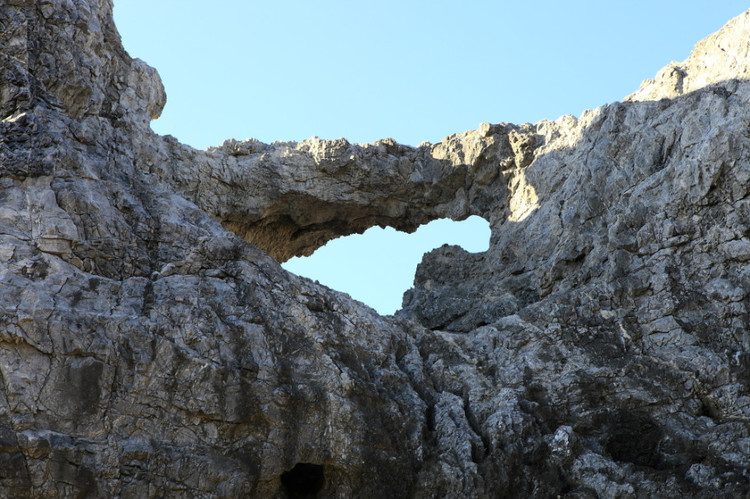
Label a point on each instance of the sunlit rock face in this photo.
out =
(151, 345)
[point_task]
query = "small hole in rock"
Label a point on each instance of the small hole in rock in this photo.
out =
(377, 267)
(303, 481)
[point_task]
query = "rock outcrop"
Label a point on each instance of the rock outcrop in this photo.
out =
(151, 345)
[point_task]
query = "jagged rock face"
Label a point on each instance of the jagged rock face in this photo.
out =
(151, 346)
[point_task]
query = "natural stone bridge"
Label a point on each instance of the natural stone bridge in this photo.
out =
(598, 348)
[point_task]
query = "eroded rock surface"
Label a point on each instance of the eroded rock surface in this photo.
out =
(151, 345)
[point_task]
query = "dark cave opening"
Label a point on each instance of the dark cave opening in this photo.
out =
(305, 480)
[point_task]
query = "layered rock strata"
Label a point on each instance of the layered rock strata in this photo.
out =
(151, 345)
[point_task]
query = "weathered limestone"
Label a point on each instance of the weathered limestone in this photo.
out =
(151, 347)
(291, 198)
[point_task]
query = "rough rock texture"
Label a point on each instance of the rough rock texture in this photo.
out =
(599, 348)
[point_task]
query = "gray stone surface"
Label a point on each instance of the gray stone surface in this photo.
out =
(151, 345)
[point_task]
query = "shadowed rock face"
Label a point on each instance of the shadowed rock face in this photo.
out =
(151, 345)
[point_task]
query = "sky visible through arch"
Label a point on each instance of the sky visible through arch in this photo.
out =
(411, 70)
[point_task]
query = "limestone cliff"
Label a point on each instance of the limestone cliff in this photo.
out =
(152, 346)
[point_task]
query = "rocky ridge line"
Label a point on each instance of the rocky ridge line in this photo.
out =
(599, 348)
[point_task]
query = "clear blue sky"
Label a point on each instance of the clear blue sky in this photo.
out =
(410, 70)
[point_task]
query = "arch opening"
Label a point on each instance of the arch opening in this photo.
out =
(378, 266)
